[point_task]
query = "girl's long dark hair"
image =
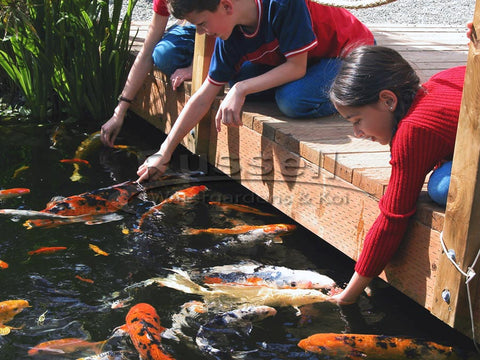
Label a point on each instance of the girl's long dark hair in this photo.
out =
(367, 70)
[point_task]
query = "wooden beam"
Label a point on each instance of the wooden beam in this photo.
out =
(462, 218)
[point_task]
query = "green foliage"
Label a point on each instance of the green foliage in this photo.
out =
(66, 56)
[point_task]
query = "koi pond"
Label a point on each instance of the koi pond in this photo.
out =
(99, 269)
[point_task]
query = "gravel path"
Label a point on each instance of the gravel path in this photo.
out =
(412, 12)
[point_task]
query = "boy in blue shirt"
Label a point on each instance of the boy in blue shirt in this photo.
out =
(291, 46)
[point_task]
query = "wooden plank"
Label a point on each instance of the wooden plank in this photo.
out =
(462, 225)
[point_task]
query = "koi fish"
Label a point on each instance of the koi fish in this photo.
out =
(75, 161)
(98, 251)
(10, 308)
(275, 230)
(90, 281)
(3, 265)
(14, 192)
(240, 208)
(233, 294)
(88, 146)
(190, 316)
(143, 326)
(66, 346)
(47, 250)
(364, 346)
(20, 170)
(108, 355)
(179, 197)
(256, 274)
(236, 323)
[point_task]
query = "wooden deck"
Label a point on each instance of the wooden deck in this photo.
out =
(316, 172)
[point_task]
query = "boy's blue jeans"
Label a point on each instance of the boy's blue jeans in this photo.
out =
(303, 98)
(175, 50)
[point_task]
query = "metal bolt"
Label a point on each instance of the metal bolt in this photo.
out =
(446, 296)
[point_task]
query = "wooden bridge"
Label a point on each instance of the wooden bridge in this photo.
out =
(316, 172)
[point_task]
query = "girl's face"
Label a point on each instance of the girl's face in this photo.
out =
(374, 121)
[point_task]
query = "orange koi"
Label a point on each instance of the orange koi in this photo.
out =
(179, 197)
(275, 230)
(14, 192)
(10, 308)
(90, 281)
(143, 326)
(101, 201)
(75, 161)
(66, 346)
(239, 207)
(47, 250)
(365, 346)
(3, 265)
(98, 250)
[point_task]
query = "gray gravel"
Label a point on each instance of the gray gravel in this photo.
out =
(411, 12)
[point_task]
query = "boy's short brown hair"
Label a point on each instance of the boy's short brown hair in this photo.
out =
(180, 8)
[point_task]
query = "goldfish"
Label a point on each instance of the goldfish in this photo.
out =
(20, 170)
(66, 346)
(366, 346)
(13, 192)
(10, 308)
(75, 161)
(98, 250)
(275, 230)
(90, 281)
(256, 274)
(142, 323)
(47, 250)
(231, 293)
(239, 207)
(3, 264)
(179, 197)
(229, 328)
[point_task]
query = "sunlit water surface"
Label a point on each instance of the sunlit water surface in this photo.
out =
(30, 157)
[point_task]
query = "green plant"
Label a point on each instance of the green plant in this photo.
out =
(68, 56)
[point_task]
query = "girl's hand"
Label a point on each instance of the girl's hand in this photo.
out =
(110, 130)
(230, 110)
(181, 75)
(153, 168)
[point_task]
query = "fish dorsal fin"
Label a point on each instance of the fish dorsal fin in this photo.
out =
(55, 200)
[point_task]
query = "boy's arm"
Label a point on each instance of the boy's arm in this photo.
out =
(140, 68)
(194, 110)
(229, 112)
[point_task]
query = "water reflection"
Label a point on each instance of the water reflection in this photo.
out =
(65, 305)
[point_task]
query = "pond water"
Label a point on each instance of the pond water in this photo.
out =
(65, 306)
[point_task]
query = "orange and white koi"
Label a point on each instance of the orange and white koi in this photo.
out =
(366, 346)
(10, 308)
(179, 197)
(75, 161)
(143, 326)
(98, 251)
(3, 265)
(13, 192)
(66, 346)
(234, 294)
(239, 207)
(47, 250)
(274, 230)
(90, 281)
(256, 274)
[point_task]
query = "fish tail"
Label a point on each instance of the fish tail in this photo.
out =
(180, 281)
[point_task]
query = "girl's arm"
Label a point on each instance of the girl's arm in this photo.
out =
(229, 112)
(140, 68)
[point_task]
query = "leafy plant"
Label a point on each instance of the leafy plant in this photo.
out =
(67, 56)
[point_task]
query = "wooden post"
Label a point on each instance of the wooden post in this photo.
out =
(198, 141)
(462, 217)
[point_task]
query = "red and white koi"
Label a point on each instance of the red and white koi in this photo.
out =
(13, 192)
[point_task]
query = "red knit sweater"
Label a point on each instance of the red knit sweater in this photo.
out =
(424, 137)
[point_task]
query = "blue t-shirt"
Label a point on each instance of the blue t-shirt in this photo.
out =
(284, 28)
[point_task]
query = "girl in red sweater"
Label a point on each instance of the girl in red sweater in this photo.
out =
(380, 94)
